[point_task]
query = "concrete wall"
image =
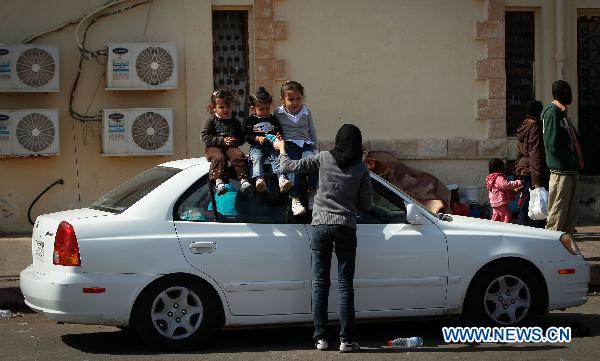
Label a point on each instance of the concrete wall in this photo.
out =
(419, 77)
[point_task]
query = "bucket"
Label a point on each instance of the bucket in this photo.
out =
(471, 194)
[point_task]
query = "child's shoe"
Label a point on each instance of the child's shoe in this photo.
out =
(245, 186)
(349, 346)
(322, 345)
(220, 188)
(284, 185)
(261, 185)
(297, 207)
(311, 199)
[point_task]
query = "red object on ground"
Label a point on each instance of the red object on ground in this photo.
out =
(460, 209)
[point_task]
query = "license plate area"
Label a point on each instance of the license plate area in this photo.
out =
(38, 252)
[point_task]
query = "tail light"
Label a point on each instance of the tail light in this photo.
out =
(66, 249)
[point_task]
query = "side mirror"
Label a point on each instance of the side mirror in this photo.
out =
(413, 215)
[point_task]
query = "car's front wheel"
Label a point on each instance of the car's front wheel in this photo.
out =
(504, 296)
(175, 314)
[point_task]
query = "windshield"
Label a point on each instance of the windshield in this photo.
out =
(125, 195)
(404, 194)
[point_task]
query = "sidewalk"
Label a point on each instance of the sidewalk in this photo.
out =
(15, 255)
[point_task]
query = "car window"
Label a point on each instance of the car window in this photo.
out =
(256, 207)
(199, 205)
(195, 204)
(387, 208)
(128, 193)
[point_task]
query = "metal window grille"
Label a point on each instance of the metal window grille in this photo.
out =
(588, 73)
(520, 52)
(230, 56)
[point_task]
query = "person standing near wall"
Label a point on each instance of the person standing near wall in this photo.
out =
(531, 160)
(344, 188)
(563, 157)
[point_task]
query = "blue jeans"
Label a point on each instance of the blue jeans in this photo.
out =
(295, 153)
(257, 154)
(325, 238)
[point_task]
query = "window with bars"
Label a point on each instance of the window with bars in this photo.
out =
(230, 56)
(519, 61)
(588, 73)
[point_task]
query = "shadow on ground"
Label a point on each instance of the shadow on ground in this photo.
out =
(372, 337)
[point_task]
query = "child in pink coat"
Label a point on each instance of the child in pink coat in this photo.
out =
(501, 191)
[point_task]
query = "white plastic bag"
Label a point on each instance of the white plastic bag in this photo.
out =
(538, 204)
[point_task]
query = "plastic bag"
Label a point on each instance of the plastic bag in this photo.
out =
(538, 204)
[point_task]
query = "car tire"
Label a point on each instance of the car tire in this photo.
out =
(504, 295)
(175, 314)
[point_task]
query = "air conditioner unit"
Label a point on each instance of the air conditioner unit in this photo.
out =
(141, 66)
(140, 131)
(29, 132)
(29, 68)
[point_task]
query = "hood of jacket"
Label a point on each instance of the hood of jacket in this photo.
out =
(490, 179)
(525, 126)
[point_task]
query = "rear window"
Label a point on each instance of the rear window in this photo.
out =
(125, 195)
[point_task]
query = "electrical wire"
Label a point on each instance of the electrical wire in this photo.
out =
(88, 54)
(58, 181)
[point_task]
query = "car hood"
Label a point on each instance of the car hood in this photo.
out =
(470, 225)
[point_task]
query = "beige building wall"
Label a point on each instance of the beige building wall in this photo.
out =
(423, 79)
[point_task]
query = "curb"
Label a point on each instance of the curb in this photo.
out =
(11, 297)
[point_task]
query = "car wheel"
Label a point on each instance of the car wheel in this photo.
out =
(504, 296)
(175, 314)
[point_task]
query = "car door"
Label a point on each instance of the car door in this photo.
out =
(399, 266)
(245, 244)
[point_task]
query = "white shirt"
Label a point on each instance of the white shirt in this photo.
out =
(295, 119)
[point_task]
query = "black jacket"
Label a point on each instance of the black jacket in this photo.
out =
(215, 130)
(250, 132)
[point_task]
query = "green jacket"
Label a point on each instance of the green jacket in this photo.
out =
(561, 154)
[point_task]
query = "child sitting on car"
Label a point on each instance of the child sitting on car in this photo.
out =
(222, 135)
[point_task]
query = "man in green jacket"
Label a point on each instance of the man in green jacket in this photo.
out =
(564, 158)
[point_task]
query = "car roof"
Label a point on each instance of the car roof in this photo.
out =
(185, 163)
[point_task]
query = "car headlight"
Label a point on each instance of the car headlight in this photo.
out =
(569, 243)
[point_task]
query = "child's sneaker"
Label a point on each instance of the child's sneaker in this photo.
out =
(220, 188)
(261, 185)
(311, 199)
(349, 346)
(245, 187)
(297, 207)
(284, 185)
(322, 345)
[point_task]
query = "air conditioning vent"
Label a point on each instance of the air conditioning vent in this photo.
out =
(29, 132)
(29, 68)
(129, 132)
(142, 66)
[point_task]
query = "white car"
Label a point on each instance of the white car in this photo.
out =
(163, 255)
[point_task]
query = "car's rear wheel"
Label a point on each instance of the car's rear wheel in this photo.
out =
(504, 296)
(175, 314)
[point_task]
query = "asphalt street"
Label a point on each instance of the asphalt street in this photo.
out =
(29, 336)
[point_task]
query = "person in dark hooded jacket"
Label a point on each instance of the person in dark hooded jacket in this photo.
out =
(344, 188)
(531, 165)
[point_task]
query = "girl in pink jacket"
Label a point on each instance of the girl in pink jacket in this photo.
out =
(501, 191)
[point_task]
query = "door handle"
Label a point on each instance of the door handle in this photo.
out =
(202, 247)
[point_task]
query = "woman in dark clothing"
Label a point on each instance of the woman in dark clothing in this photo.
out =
(531, 160)
(344, 188)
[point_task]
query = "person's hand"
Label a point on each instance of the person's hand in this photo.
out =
(260, 139)
(518, 188)
(279, 136)
(280, 146)
(229, 141)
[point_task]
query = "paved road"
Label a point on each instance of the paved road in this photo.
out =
(33, 337)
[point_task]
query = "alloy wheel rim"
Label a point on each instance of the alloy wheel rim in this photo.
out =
(507, 300)
(177, 312)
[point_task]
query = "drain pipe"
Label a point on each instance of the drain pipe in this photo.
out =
(560, 56)
(58, 181)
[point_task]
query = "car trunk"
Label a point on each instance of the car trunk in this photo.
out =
(44, 233)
